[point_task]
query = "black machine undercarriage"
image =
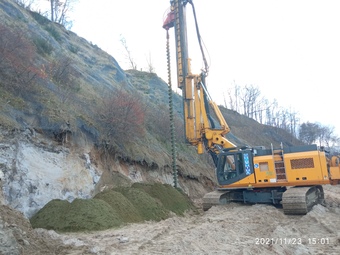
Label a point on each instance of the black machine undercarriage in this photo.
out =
(294, 200)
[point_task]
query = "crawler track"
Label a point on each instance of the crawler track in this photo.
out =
(295, 200)
(215, 198)
(300, 200)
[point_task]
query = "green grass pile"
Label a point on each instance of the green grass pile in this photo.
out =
(80, 215)
(113, 208)
(125, 209)
(51, 215)
(148, 207)
(172, 199)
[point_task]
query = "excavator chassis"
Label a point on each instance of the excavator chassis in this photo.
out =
(295, 200)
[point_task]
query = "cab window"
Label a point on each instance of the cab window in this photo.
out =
(240, 163)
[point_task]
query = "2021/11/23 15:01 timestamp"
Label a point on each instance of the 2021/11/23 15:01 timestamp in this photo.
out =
(318, 241)
(292, 241)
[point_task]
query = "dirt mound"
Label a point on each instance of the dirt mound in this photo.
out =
(172, 199)
(332, 198)
(148, 207)
(18, 237)
(80, 215)
(113, 208)
(121, 205)
(49, 216)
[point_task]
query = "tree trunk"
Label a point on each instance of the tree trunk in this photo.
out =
(52, 10)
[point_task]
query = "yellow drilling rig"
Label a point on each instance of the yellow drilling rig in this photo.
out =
(291, 176)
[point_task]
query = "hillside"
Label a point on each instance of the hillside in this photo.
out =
(56, 104)
(85, 146)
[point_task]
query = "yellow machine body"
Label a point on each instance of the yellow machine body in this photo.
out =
(294, 169)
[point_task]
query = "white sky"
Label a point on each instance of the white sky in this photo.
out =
(289, 49)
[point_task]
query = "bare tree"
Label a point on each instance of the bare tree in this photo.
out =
(133, 64)
(60, 10)
(225, 101)
(327, 136)
(52, 2)
(123, 115)
(293, 122)
(261, 107)
(247, 100)
(62, 72)
(162, 128)
(151, 68)
(254, 95)
(18, 71)
(25, 3)
(233, 94)
(270, 113)
(249, 96)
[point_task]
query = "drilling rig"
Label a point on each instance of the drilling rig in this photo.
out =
(287, 176)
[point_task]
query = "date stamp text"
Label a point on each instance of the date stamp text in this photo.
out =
(291, 241)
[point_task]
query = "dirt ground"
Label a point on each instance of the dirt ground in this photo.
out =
(230, 229)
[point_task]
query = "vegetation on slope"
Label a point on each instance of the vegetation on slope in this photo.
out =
(59, 84)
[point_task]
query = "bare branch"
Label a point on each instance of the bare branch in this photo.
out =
(133, 64)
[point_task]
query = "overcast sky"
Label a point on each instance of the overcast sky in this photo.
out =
(289, 49)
